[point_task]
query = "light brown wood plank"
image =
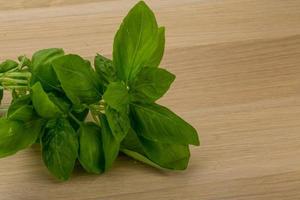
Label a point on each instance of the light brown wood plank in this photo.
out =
(199, 23)
(24, 4)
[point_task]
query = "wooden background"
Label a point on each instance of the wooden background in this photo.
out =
(238, 82)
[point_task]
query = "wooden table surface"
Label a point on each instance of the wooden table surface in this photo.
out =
(238, 82)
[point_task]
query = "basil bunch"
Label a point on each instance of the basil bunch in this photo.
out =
(53, 93)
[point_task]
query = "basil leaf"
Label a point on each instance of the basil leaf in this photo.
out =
(77, 79)
(63, 104)
(150, 84)
(118, 122)
(116, 95)
(18, 103)
(139, 157)
(21, 109)
(166, 155)
(42, 103)
(9, 131)
(17, 135)
(59, 148)
(156, 154)
(132, 147)
(105, 69)
(115, 126)
(138, 43)
(8, 65)
(24, 113)
(159, 124)
(91, 154)
(42, 70)
(131, 142)
(111, 144)
(34, 127)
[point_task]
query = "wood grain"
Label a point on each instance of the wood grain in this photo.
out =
(238, 82)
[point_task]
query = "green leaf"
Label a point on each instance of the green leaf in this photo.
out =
(105, 69)
(17, 135)
(24, 113)
(139, 157)
(115, 125)
(21, 109)
(159, 124)
(42, 70)
(138, 43)
(131, 142)
(111, 144)
(77, 79)
(91, 154)
(9, 132)
(8, 65)
(116, 95)
(156, 154)
(59, 148)
(42, 103)
(150, 84)
(18, 103)
(61, 102)
(166, 155)
(118, 121)
(133, 148)
(79, 108)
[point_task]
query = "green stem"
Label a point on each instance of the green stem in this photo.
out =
(14, 87)
(75, 119)
(21, 64)
(19, 74)
(13, 81)
(3, 109)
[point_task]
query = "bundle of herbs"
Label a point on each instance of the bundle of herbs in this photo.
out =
(53, 92)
